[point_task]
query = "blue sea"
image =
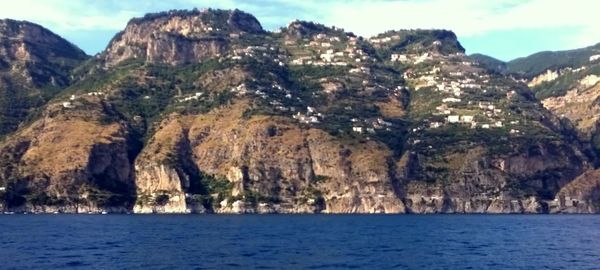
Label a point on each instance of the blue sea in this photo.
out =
(299, 242)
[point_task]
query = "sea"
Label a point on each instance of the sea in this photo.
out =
(299, 241)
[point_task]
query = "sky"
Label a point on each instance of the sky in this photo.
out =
(504, 29)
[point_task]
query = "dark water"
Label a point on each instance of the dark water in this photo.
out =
(300, 242)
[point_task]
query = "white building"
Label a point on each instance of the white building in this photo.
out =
(435, 125)
(453, 118)
(466, 118)
(451, 99)
(67, 105)
(398, 57)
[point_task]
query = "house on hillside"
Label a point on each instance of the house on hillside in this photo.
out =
(466, 118)
(67, 104)
(451, 99)
(453, 118)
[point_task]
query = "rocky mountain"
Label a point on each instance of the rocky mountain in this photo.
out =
(567, 83)
(35, 64)
(204, 111)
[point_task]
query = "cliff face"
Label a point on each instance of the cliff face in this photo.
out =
(179, 37)
(573, 94)
(69, 161)
(580, 195)
(281, 167)
(204, 112)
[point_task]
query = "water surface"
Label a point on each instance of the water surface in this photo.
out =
(300, 241)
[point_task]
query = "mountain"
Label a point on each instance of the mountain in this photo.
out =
(35, 64)
(538, 63)
(568, 84)
(205, 111)
(490, 63)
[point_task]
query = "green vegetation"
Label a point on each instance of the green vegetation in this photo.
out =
(490, 63)
(418, 41)
(538, 63)
(254, 198)
(558, 87)
(566, 81)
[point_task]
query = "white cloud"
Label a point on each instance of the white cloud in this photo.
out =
(468, 18)
(67, 15)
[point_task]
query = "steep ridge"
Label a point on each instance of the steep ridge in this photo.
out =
(34, 65)
(569, 86)
(204, 111)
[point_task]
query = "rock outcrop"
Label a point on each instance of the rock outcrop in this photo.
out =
(69, 160)
(179, 37)
(579, 196)
(280, 166)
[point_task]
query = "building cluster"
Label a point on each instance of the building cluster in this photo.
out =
(370, 125)
(460, 89)
(411, 58)
(191, 97)
(310, 117)
(382, 40)
(265, 51)
(330, 51)
(69, 104)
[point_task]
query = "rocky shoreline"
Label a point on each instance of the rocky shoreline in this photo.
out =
(424, 206)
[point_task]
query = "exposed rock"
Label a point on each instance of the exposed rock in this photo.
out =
(579, 196)
(178, 37)
(549, 76)
(72, 159)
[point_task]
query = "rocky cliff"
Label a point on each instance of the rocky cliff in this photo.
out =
(180, 37)
(205, 112)
(572, 93)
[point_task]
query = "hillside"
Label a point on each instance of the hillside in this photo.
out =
(490, 63)
(566, 83)
(35, 64)
(205, 111)
(538, 63)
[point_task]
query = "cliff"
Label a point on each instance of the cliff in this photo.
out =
(205, 112)
(178, 37)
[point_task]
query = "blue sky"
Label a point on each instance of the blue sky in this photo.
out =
(504, 29)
